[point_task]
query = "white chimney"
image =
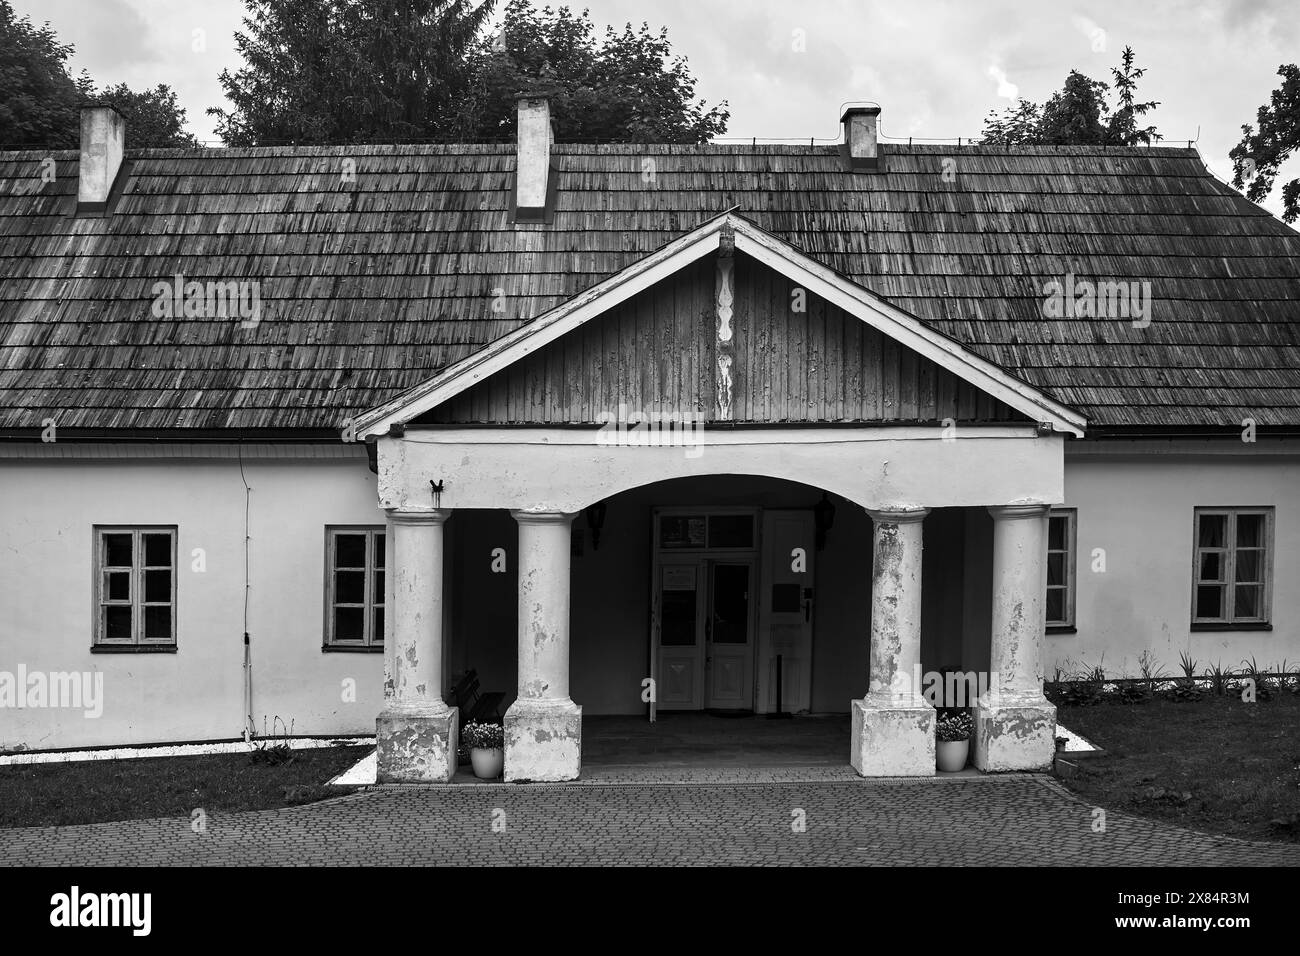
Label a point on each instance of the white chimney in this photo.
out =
(103, 139)
(533, 160)
(860, 136)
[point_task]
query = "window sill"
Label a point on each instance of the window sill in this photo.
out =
(133, 648)
(1062, 629)
(348, 649)
(1240, 626)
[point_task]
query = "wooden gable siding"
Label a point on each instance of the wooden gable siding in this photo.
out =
(656, 353)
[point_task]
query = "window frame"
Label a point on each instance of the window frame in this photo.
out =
(100, 642)
(707, 512)
(1231, 621)
(1069, 624)
(371, 601)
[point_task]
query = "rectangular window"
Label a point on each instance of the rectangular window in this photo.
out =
(1232, 570)
(1060, 567)
(135, 587)
(354, 588)
(714, 532)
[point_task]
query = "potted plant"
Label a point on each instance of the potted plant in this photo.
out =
(486, 743)
(953, 745)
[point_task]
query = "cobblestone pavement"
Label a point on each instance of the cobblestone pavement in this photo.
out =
(1007, 820)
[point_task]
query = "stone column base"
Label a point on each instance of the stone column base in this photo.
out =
(543, 740)
(892, 741)
(416, 747)
(1015, 736)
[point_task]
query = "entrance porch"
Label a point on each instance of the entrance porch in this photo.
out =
(575, 603)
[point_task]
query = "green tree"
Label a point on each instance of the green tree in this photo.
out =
(1257, 158)
(1123, 129)
(1078, 114)
(349, 71)
(1074, 114)
(1016, 126)
(153, 117)
(624, 86)
(39, 100)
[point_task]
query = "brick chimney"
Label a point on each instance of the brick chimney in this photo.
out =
(533, 180)
(860, 146)
(103, 140)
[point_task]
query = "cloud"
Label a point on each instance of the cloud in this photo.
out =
(1006, 89)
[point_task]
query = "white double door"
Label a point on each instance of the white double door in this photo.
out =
(706, 633)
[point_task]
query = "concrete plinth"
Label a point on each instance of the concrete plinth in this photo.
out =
(414, 747)
(1015, 736)
(543, 741)
(893, 741)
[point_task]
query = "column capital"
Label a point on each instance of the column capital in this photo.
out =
(528, 516)
(1013, 512)
(897, 516)
(428, 516)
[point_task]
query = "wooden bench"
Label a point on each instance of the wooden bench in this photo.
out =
(475, 707)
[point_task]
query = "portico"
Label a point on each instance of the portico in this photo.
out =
(543, 477)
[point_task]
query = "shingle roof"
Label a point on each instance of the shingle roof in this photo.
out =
(371, 286)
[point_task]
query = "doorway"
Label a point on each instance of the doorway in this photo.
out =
(706, 589)
(706, 633)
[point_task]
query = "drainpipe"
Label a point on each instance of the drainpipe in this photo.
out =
(248, 690)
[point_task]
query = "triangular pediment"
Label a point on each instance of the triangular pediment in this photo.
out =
(728, 324)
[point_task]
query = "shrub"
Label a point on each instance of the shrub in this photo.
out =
(1220, 677)
(953, 727)
(485, 736)
(1133, 693)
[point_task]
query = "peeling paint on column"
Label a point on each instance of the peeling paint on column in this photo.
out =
(1015, 726)
(543, 741)
(893, 727)
(416, 748)
(543, 727)
(1014, 737)
(890, 741)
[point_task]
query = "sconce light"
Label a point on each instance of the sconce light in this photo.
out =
(824, 518)
(596, 521)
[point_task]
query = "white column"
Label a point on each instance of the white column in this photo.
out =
(416, 733)
(893, 726)
(543, 726)
(1015, 725)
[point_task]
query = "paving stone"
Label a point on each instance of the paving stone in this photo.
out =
(632, 818)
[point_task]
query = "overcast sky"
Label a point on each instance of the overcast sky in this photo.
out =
(786, 66)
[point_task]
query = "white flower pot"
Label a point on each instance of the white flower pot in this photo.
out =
(487, 762)
(950, 755)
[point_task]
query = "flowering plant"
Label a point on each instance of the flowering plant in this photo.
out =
(484, 736)
(953, 727)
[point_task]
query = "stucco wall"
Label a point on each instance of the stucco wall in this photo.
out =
(47, 513)
(1140, 512)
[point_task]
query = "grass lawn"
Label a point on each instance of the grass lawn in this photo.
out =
(1216, 764)
(97, 791)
